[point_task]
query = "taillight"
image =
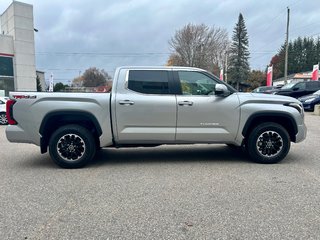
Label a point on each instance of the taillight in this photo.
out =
(9, 112)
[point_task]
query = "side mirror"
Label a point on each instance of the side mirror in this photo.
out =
(221, 90)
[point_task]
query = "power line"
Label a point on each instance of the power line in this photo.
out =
(315, 34)
(294, 3)
(272, 21)
(124, 54)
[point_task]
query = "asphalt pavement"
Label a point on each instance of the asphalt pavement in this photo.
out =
(166, 192)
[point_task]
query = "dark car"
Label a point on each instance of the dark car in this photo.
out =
(266, 89)
(299, 89)
(309, 101)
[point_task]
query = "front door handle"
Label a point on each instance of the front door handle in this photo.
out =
(185, 103)
(126, 102)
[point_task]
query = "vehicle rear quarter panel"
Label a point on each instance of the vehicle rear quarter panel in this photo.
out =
(29, 113)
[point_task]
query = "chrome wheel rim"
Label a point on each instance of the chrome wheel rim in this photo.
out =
(71, 147)
(269, 144)
(3, 119)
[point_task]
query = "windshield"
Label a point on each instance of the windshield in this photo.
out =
(289, 85)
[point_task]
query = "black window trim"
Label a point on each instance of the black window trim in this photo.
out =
(171, 84)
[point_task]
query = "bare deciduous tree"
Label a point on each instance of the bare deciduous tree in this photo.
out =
(199, 46)
(92, 77)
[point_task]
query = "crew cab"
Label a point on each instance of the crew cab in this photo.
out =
(151, 106)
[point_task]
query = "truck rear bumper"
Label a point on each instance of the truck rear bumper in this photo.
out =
(302, 133)
(16, 134)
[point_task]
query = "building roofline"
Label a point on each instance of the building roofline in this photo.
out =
(16, 2)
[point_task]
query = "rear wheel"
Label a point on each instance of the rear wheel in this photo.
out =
(268, 143)
(72, 146)
(3, 119)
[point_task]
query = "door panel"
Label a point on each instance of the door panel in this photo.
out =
(202, 116)
(142, 117)
(150, 118)
(208, 119)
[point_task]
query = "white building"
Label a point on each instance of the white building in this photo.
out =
(295, 77)
(17, 48)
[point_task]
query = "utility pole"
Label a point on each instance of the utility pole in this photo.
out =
(287, 44)
(226, 69)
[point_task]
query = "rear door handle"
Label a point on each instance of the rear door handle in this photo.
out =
(126, 102)
(185, 103)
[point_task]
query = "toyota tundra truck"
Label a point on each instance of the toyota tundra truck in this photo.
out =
(150, 106)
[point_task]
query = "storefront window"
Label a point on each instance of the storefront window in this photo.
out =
(6, 74)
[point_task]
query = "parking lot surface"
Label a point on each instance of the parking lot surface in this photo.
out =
(167, 192)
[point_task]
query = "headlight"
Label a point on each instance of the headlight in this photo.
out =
(310, 100)
(296, 106)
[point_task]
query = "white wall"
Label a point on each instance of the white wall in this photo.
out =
(17, 21)
(6, 44)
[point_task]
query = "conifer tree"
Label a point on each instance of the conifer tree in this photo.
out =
(39, 87)
(239, 54)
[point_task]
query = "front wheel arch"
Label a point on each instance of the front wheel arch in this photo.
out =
(282, 119)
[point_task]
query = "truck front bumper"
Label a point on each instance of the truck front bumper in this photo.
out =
(302, 133)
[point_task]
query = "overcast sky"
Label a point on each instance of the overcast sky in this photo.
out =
(124, 32)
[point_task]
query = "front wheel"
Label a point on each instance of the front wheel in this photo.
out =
(268, 143)
(72, 146)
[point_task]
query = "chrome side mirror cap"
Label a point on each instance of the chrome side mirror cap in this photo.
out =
(221, 90)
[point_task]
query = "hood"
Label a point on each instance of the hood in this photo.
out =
(304, 98)
(265, 98)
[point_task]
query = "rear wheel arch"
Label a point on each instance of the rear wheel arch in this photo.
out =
(54, 120)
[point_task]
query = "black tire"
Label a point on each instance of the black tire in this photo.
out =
(3, 119)
(72, 146)
(268, 143)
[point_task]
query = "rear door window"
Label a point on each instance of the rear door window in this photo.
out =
(149, 81)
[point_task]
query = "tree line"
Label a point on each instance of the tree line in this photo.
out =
(210, 49)
(92, 77)
(303, 53)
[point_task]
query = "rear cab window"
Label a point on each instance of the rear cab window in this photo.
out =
(149, 81)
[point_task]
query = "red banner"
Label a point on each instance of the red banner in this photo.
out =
(221, 74)
(269, 76)
(315, 73)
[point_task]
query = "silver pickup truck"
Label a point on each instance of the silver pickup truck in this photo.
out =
(151, 106)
